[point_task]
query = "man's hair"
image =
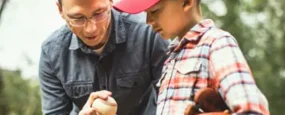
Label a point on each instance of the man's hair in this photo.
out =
(59, 1)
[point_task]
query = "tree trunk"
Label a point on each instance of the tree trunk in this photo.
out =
(3, 4)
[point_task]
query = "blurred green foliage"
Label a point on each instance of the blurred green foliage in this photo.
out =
(258, 26)
(18, 96)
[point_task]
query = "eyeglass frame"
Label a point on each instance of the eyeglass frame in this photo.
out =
(107, 12)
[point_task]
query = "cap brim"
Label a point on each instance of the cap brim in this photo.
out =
(134, 6)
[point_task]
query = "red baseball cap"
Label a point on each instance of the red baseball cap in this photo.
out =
(134, 6)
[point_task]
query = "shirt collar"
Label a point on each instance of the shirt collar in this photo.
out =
(193, 35)
(75, 42)
(199, 29)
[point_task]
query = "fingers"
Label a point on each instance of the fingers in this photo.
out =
(99, 94)
(88, 111)
(214, 113)
(190, 110)
(187, 110)
(98, 112)
(226, 112)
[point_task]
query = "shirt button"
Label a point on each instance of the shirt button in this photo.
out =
(135, 84)
(76, 94)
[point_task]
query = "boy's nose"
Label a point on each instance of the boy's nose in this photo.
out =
(149, 20)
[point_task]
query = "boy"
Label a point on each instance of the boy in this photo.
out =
(201, 56)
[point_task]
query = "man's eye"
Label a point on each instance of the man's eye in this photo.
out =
(83, 19)
(77, 18)
(99, 13)
(78, 21)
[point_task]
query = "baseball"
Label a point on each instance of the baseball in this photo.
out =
(105, 107)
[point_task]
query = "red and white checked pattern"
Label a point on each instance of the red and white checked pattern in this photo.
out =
(213, 58)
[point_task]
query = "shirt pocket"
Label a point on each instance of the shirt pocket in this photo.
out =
(188, 66)
(184, 71)
(78, 89)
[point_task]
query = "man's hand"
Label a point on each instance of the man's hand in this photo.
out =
(87, 108)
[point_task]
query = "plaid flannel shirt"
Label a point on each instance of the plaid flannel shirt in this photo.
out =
(208, 57)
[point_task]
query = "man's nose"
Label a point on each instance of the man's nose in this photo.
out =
(90, 27)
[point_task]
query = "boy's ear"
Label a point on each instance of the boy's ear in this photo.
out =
(59, 7)
(188, 4)
(112, 2)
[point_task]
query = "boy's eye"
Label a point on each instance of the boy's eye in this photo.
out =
(154, 11)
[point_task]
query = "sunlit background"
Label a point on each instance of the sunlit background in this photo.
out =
(258, 25)
(24, 26)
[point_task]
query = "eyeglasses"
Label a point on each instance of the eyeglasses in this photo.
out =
(95, 19)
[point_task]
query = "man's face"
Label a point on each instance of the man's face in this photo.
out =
(88, 19)
(168, 18)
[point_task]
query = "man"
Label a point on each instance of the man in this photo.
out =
(100, 49)
(202, 56)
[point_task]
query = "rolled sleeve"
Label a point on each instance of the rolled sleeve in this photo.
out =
(236, 83)
(54, 98)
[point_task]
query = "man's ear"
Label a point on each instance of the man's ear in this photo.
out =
(188, 4)
(59, 7)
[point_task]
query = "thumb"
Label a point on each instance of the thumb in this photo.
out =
(226, 112)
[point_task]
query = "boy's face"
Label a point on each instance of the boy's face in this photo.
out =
(168, 17)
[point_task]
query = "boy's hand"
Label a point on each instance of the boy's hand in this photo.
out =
(87, 108)
(190, 110)
(226, 112)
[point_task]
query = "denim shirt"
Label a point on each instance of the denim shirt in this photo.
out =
(129, 66)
